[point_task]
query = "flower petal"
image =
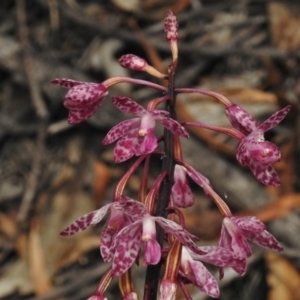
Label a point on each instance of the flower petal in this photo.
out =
(126, 147)
(77, 116)
(221, 257)
(67, 83)
(133, 208)
(274, 119)
(264, 152)
(172, 125)
(127, 245)
(128, 105)
(148, 144)
(88, 220)
(266, 240)
(202, 278)
(240, 119)
(108, 235)
(152, 252)
(182, 195)
(81, 96)
(265, 173)
(120, 130)
(176, 230)
(249, 223)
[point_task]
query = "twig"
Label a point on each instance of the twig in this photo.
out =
(38, 103)
(40, 109)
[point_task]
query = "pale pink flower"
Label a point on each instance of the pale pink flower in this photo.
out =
(136, 136)
(82, 98)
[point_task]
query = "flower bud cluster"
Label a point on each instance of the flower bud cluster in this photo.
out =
(133, 224)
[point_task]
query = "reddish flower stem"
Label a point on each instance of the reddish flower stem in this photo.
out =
(215, 95)
(115, 80)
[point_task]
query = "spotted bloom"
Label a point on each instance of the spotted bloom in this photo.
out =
(82, 98)
(115, 223)
(192, 269)
(142, 234)
(236, 231)
(258, 154)
(195, 272)
(136, 136)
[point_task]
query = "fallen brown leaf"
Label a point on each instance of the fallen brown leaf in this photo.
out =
(283, 278)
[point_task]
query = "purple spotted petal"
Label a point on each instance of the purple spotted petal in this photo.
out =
(202, 278)
(274, 119)
(120, 130)
(177, 231)
(127, 245)
(126, 146)
(129, 106)
(265, 239)
(172, 125)
(156, 113)
(133, 208)
(67, 83)
(148, 144)
(249, 223)
(242, 155)
(256, 147)
(88, 220)
(221, 257)
(152, 252)
(182, 195)
(233, 239)
(76, 116)
(241, 119)
(265, 152)
(108, 235)
(81, 96)
(264, 173)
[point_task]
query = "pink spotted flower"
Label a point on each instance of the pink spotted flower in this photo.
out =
(136, 136)
(258, 154)
(142, 234)
(195, 272)
(82, 98)
(192, 269)
(115, 223)
(236, 231)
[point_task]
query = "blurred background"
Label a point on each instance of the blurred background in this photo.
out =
(52, 173)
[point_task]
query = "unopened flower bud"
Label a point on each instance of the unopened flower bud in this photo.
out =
(171, 32)
(133, 62)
